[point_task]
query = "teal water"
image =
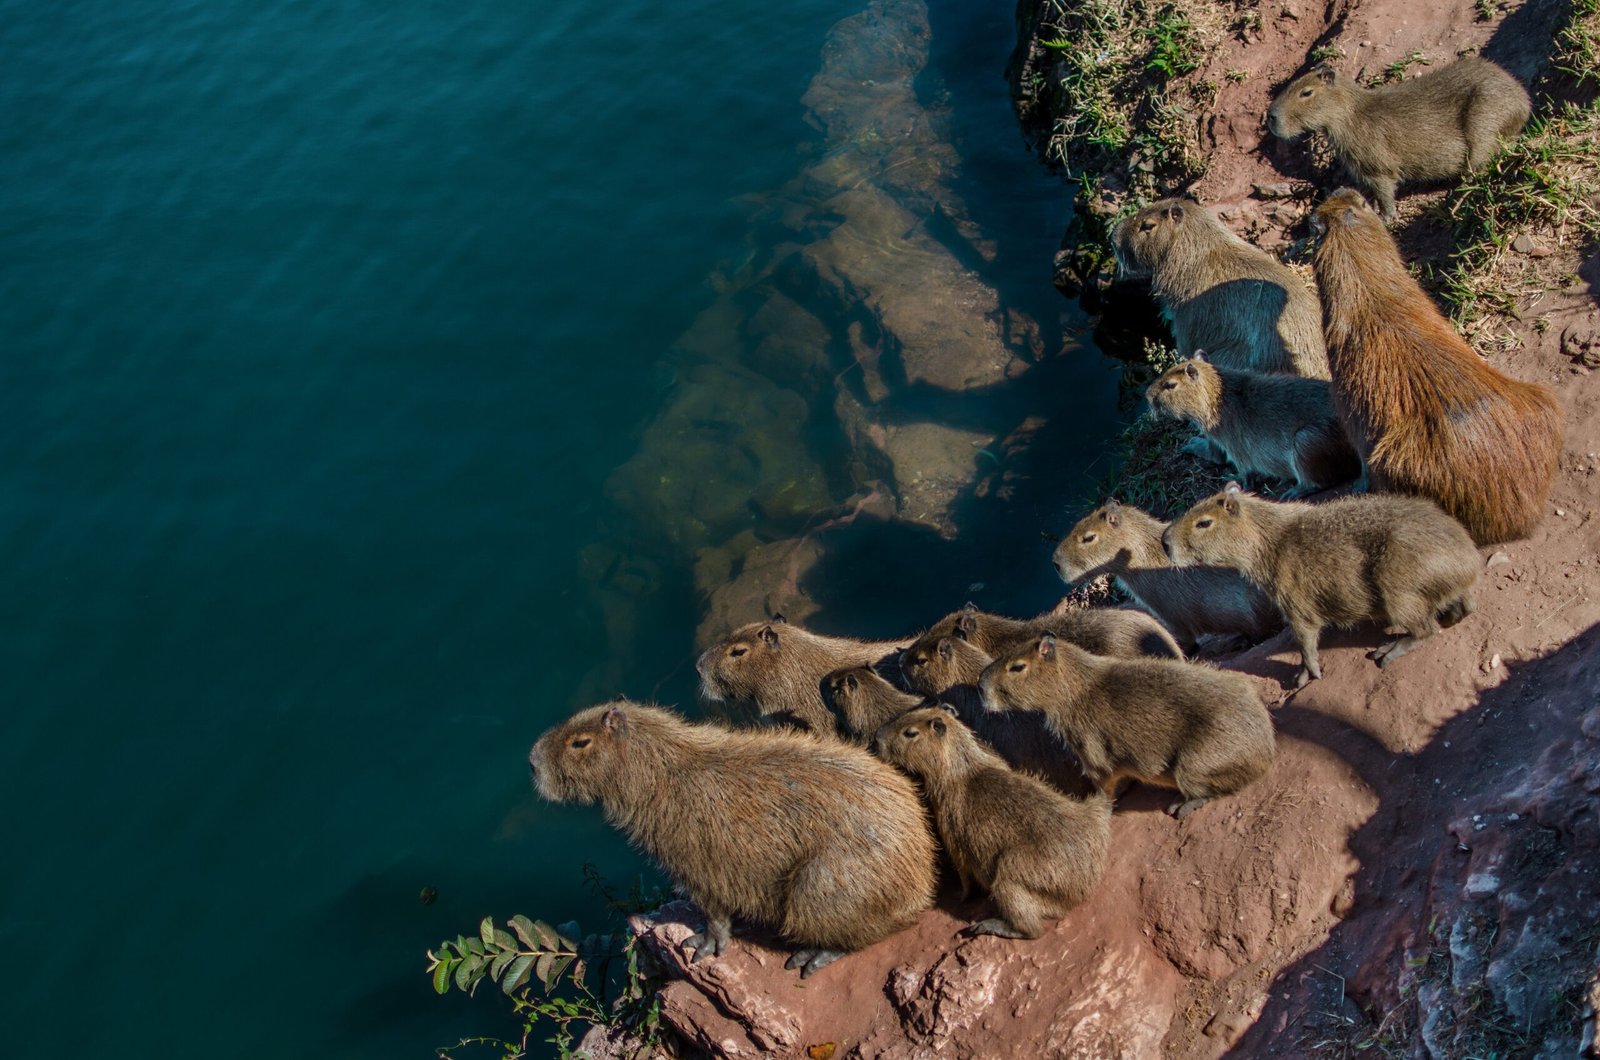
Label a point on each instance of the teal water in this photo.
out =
(324, 324)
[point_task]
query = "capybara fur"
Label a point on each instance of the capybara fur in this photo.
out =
(1439, 125)
(864, 701)
(1119, 631)
(1176, 724)
(1268, 426)
(1222, 295)
(1125, 542)
(779, 668)
(1397, 560)
(947, 671)
(1426, 414)
(818, 840)
(1037, 852)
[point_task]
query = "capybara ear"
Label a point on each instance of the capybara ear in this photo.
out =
(969, 607)
(967, 624)
(1047, 646)
(949, 708)
(1175, 211)
(850, 682)
(1191, 371)
(615, 721)
(1326, 72)
(779, 620)
(1112, 513)
(938, 726)
(1349, 216)
(1230, 498)
(946, 649)
(769, 635)
(1198, 355)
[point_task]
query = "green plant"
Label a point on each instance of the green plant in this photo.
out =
(1174, 48)
(1237, 76)
(1577, 50)
(1487, 9)
(1396, 71)
(1323, 52)
(527, 952)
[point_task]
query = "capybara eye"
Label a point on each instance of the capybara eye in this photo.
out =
(1170, 384)
(910, 734)
(1305, 93)
(734, 653)
(1147, 226)
(1017, 667)
(1202, 524)
(580, 742)
(1089, 539)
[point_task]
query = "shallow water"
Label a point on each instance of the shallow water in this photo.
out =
(326, 325)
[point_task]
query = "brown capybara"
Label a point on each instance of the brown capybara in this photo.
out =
(864, 701)
(1426, 414)
(1037, 852)
(779, 668)
(1271, 426)
(1223, 295)
(1397, 560)
(1119, 631)
(818, 840)
(1125, 542)
(1175, 724)
(1440, 125)
(947, 671)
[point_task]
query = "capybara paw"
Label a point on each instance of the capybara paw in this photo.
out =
(1305, 677)
(705, 944)
(1185, 807)
(810, 960)
(996, 926)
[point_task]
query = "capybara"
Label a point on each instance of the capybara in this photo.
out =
(1037, 852)
(1176, 724)
(1397, 560)
(1439, 125)
(1426, 414)
(816, 839)
(1223, 295)
(1124, 542)
(1272, 426)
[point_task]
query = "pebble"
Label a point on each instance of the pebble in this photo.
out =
(1523, 244)
(1561, 512)
(1274, 190)
(1482, 884)
(1497, 559)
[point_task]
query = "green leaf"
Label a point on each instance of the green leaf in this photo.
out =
(560, 965)
(468, 972)
(524, 929)
(486, 930)
(503, 940)
(474, 948)
(517, 975)
(441, 977)
(541, 968)
(497, 967)
(547, 936)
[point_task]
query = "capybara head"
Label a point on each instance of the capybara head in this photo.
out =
(1021, 680)
(923, 741)
(930, 666)
(1100, 542)
(737, 666)
(1345, 210)
(577, 761)
(1217, 532)
(851, 692)
(1188, 391)
(1141, 242)
(1307, 103)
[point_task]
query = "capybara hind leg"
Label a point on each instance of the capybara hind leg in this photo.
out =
(1021, 915)
(713, 940)
(1307, 634)
(810, 959)
(1418, 629)
(1391, 651)
(1455, 611)
(1184, 807)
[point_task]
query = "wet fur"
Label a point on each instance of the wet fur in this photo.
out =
(1116, 631)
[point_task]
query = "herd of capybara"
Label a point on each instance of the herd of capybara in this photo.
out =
(1002, 742)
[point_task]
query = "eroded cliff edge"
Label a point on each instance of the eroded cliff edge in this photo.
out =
(1420, 874)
